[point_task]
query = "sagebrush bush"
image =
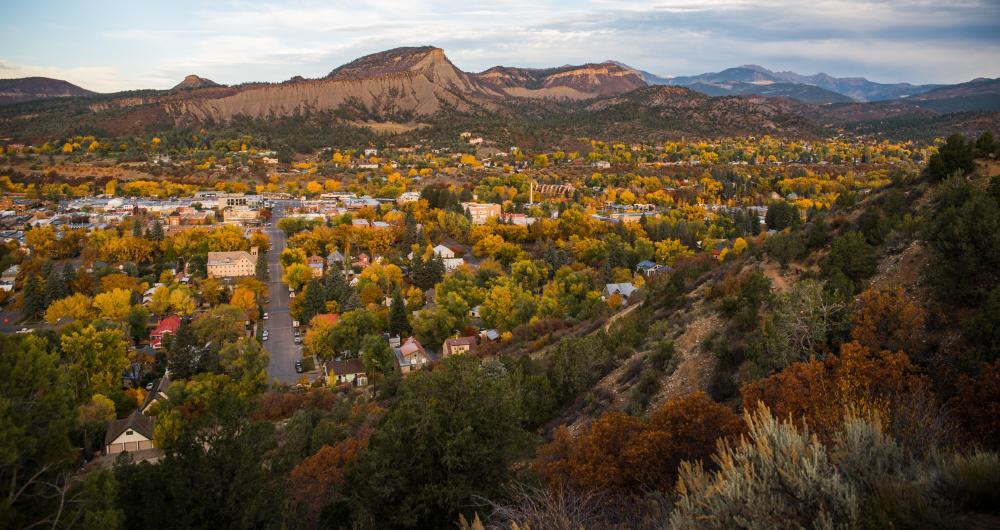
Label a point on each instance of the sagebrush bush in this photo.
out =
(974, 479)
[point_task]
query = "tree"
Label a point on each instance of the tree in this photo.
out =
(781, 215)
(449, 439)
(433, 325)
(138, 323)
(245, 360)
(296, 275)
(399, 325)
(261, 271)
(886, 319)
(182, 301)
(96, 360)
(318, 480)
(76, 306)
(377, 355)
(92, 418)
(352, 327)
(33, 297)
(113, 305)
(244, 299)
(220, 325)
(319, 339)
(620, 454)
(850, 261)
(183, 353)
(956, 155)
(313, 300)
(37, 411)
(55, 286)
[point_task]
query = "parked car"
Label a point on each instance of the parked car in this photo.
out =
(265, 316)
(291, 295)
(298, 367)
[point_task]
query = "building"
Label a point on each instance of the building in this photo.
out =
(444, 252)
(411, 356)
(624, 290)
(649, 268)
(335, 259)
(459, 345)
(315, 266)
(481, 212)
(233, 264)
(156, 394)
(346, 371)
(131, 434)
(408, 196)
(8, 277)
(240, 215)
(167, 326)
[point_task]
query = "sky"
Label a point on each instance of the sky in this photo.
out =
(108, 46)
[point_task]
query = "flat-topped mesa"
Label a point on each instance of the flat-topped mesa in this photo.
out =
(421, 59)
(192, 82)
(573, 82)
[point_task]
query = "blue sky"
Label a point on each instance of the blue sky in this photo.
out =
(108, 46)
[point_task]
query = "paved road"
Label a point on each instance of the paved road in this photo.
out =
(280, 342)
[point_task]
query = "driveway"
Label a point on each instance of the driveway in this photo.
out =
(280, 343)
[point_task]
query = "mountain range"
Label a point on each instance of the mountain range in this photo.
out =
(420, 86)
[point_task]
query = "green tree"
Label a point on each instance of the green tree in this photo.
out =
(245, 360)
(377, 356)
(55, 286)
(33, 298)
(313, 300)
(399, 325)
(449, 440)
(96, 360)
(955, 156)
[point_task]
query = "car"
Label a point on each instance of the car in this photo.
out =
(298, 367)
(298, 340)
(265, 316)
(291, 295)
(264, 337)
(24, 330)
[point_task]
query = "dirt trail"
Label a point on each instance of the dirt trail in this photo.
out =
(696, 366)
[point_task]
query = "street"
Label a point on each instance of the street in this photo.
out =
(280, 343)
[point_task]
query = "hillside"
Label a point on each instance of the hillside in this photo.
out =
(568, 82)
(34, 88)
(192, 82)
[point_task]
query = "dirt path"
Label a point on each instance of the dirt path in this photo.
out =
(694, 372)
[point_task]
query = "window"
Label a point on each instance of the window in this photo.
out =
(129, 432)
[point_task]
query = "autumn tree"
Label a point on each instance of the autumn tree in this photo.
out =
(95, 359)
(621, 454)
(77, 306)
(886, 319)
(317, 481)
(113, 305)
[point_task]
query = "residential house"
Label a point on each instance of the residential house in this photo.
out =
(623, 290)
(131, 434)
(233, 264)
(650, 268)
(408, 196)
(335, 259)
(362, 261)
(157, 394)
(8, 277)
(315, 266)
(411, 356)
(444, 252)
(459, 345)
(346, 371)
(167, 326)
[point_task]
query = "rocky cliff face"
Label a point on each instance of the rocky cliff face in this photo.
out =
(568, 82)
(192, 82)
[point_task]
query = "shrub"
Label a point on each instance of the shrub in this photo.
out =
(974, 479)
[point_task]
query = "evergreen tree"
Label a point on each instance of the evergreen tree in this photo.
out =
(314, 301)
(136, 227)
(261, 272)
(33, 298)
(398, 323)
(182, 352)
(55, 286)
(69, 274)
(336, 287)
(156, 233)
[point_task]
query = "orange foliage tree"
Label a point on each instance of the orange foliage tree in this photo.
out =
(855, 382)
(887, 320)
(315, 481)
(619, 453)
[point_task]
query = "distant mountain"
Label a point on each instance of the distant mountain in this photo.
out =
(32, 88)
(804, 93)
(650, 79)
(856, 88)
(976, 95)
(565, 82)
(192, 82)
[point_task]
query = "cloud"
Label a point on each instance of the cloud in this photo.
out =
(243, 40)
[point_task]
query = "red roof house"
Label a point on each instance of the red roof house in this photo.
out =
(166, 326)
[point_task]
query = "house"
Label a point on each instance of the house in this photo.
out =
(602, 164)
(233, 264)
(157, 394)
(624, 290)
(346, 371)
(474, 312)
(451, 264)
(481, 212)
(410, 356)
(335, 257)
(408, 196)
(459, 345)
(362, 261)
(8, 277)
(167, 326)
(649, 268)
(490, 335)
(371, 151)
(315, 266)
(131, 434)
(444, 252)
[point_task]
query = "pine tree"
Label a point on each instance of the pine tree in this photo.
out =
(314, 302)
(335, 289)
(261, 272)
(156, 233)
(136, 227)
(398, 323)
(55, 286)
(33, 298)
(69, 274)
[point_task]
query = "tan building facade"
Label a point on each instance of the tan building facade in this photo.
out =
(235, 264)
